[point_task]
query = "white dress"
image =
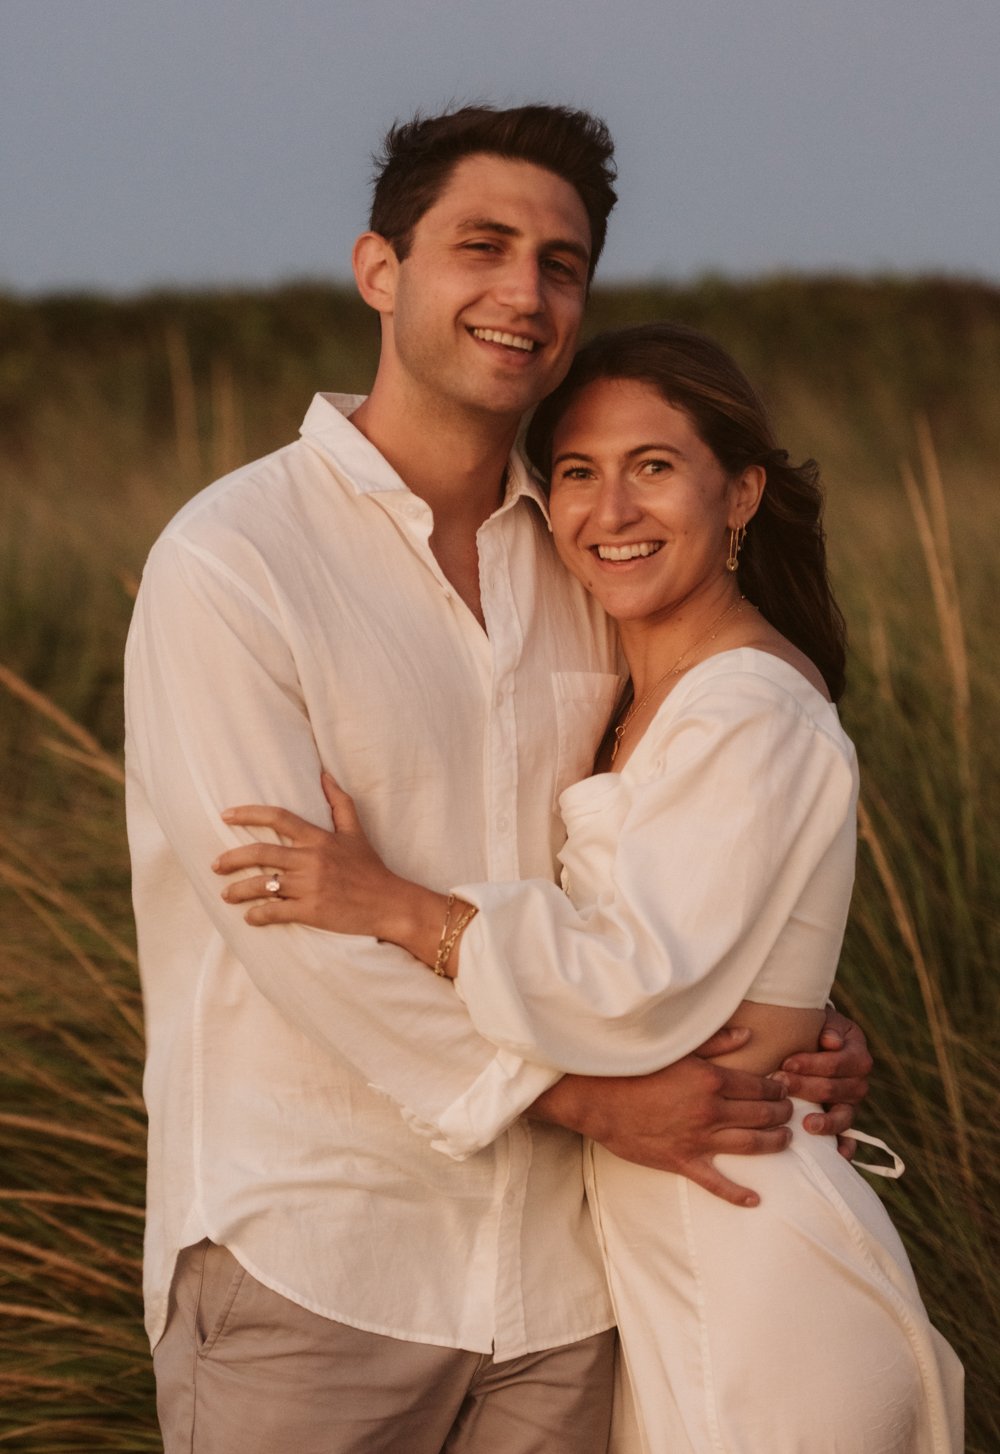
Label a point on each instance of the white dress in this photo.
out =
(717, 867)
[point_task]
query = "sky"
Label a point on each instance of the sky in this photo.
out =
(150, 143)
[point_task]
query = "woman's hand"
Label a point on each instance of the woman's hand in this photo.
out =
(329, 880)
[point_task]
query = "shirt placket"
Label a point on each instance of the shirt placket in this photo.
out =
(501, 790)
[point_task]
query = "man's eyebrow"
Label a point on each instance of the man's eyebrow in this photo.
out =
(504, 229)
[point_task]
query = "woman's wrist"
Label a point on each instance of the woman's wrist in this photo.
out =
(412, 918)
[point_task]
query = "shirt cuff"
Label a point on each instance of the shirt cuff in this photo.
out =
(503, 1092)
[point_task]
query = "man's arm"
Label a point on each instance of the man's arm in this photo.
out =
(678, 1118)
(216, 716)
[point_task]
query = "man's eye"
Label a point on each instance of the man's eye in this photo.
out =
(561, 268)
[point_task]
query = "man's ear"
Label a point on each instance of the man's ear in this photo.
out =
(747, 495)
(376, 268)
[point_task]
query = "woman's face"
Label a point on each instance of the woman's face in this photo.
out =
(640, 506)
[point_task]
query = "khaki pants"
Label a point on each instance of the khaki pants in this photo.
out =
(241, 1370)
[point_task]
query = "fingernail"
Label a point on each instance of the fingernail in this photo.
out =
(751, 1200)
(228, 815)
(215, 865)
(780, 1078)
(813, 1123)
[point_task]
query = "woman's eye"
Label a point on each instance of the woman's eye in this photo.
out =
(654, 466)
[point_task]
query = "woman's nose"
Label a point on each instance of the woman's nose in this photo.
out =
(616, 506)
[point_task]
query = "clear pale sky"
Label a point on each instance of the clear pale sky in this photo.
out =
(152, 142)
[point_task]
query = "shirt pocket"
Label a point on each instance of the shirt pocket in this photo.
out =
(583, 704)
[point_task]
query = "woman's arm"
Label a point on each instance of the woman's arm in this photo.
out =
(720, 839)
(336, 881)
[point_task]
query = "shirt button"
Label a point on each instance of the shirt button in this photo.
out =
(503, 823)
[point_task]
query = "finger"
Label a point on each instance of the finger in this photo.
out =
(255, 855)
(753, 1115)
(273, 911)
(838, 1026)
(724, 1041)
(824, 1089)
(256, 815)
(738, 1141)
(852, 1062)
(245, 890)
(707, 1175)
(345, 815)
(745, 1085)
(847, 1146)
(834, 1121)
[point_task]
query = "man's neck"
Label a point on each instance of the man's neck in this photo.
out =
(455, 461)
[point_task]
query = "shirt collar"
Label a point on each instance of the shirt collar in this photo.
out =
(328, 426)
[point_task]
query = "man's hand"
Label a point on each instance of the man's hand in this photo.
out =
(836, 1077)
(678, 1118)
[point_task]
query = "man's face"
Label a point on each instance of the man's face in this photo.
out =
(487, 304)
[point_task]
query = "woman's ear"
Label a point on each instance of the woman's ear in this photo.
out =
(376, 268)
(746, 496)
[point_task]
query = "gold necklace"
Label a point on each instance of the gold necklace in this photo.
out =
(709, 635)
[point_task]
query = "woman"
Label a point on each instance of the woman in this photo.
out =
(707, 876)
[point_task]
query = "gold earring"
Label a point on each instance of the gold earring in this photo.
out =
(736, 539)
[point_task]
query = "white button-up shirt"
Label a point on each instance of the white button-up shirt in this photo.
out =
(302, 1085)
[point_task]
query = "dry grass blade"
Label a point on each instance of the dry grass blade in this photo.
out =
(39, 702)
(131, 1017)
(56, 1262)
(931, 519)
(71, 1133)
(185, 402)
(64, 1199)
(934, 1008)
(69, 904)
(103, 764)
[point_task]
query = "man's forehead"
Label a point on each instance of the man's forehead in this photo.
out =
(484, 187)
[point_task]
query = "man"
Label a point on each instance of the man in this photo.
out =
(380, 598)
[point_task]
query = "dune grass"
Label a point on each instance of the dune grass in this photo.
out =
(114, 414)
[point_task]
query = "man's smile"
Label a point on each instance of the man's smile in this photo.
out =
(509, 340)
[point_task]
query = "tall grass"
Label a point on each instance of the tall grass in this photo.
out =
(135, 407)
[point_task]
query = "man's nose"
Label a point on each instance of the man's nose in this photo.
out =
(520, 288)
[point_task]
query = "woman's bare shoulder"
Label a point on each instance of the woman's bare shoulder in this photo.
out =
(766, 638)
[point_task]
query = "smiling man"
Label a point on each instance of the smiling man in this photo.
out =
(367, 1229)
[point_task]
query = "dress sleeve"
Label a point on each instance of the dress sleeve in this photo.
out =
(216, 717)
(747, 804)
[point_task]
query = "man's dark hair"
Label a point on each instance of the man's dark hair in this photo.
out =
(418, 156)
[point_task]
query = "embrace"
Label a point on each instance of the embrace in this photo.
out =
(397, 1210)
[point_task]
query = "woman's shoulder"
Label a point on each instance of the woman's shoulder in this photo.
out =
(744, 683)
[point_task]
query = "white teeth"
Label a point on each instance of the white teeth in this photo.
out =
(509, 340)
(628, 552)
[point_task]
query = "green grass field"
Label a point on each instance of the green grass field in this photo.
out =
(111, 414)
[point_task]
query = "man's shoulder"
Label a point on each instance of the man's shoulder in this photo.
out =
(240, 499)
